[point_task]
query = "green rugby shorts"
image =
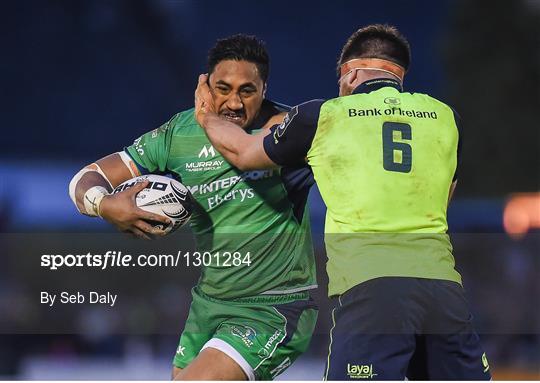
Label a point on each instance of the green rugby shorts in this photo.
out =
(263, 334)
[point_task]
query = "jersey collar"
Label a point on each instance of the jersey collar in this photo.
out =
(268, 109)
(376, 84)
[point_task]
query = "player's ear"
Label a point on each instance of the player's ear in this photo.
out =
(351, 77)
(348, 83)
(264, 90)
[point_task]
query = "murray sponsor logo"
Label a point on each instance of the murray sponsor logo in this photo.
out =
(246, 333)
(360, 371)
(207, 152)
(203, 166)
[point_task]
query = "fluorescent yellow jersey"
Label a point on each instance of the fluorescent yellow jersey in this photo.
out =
(384, 161)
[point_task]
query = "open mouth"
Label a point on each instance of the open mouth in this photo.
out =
(236, 118)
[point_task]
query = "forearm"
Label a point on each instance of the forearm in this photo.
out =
(96, 180)
(230, 140)
(87, 188)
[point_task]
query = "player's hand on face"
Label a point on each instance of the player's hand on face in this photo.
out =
(121, 210)
(204, 101)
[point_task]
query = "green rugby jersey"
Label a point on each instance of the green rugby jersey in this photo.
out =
(260, 215)
(384, 161)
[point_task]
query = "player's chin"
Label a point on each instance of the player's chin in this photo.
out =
(244, 123)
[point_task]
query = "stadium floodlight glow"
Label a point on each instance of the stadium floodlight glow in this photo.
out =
(521, 214)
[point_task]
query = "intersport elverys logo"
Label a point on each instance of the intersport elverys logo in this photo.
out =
(207, 162)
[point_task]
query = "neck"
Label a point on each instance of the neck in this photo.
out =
(369, 74)
(363, 75)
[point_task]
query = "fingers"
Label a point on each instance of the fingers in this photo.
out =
(202, 89)
(199, 94)
(149, 229)
(203, 78)
(204, 101)
(138, 187)
(128, 217)
(148, 216)
(142, 230)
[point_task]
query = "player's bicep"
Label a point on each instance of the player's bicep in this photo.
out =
(150, 152)
(108, 172)
(276, 119)
(117, 168)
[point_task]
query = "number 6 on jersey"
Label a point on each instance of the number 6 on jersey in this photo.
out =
(390, 146)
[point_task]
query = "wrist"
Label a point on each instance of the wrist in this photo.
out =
(92, 200)
(210, 119)
(206, 117)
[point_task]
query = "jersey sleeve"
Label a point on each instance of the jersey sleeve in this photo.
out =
(289, 142)
(150, 152)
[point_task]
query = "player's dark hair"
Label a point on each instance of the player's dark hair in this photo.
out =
(240, 47)
(379, 41)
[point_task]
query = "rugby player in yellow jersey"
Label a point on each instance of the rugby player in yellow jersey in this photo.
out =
(385, 163)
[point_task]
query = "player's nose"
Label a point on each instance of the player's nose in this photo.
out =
(234, 102)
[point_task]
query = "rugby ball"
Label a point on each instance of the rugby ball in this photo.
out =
(164, 196)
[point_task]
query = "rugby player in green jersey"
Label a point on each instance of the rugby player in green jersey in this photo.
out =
(249, 321)
(385, 163)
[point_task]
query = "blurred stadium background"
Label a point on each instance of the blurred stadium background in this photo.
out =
(81, 79)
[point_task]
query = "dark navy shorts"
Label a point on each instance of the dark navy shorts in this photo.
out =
(394, 328)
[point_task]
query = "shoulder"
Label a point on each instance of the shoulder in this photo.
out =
(274, 106)
(306, 113)
(181, 123)
(183, 119)
(270, 114)
(312, 106)
(431, 99)
(450, 108)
